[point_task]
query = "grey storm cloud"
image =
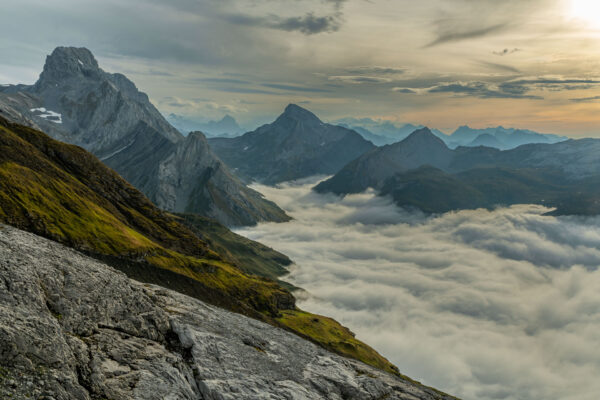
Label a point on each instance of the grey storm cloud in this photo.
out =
(499, 304)
(308, 24)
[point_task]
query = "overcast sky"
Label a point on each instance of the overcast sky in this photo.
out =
(443, 63)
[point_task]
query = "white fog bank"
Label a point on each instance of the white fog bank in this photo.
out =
(483, 305)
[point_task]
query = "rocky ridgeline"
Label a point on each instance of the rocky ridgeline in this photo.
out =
(77, 102)
(74, 328)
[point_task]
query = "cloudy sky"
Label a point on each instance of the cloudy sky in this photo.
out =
(485, 305)
(443, 63)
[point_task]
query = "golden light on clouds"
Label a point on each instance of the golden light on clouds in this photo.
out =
(587, 11)
(533, 64)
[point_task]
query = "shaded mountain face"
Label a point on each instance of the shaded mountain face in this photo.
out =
(422, 172)
(422, 147)
(77, 102)
(64, 193)
(296, 145)
(226, 126)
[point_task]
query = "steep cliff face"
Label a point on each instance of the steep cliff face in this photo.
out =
(96, 108)
(75, 101)
(192, 180)
(74, 328)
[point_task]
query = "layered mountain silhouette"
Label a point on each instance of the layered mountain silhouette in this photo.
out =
(296, 145)
(498, 137)
(226, 126)
(421, 171)
(77, 102)
(386, 132)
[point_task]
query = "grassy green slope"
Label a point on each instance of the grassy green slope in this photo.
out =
(61, 192)
(250, 256)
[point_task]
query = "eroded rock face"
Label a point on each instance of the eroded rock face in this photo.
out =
(74, 328)
(75, 101)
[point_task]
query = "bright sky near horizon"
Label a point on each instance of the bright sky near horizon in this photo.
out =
(443, 63)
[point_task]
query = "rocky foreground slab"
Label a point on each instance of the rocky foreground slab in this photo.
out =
(74, 328)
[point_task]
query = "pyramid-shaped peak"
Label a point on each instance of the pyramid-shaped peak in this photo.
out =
(423, 136)
(227, 118)
(293, 111)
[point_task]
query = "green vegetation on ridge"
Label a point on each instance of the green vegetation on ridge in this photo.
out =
(252, 257)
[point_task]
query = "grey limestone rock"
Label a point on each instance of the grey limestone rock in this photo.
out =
(74, 328)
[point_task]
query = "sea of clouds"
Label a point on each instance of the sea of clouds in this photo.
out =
(501, 304)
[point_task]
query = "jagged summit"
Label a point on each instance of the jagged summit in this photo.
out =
(77, 102)
(68, 62)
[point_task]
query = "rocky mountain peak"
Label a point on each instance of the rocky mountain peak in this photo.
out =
(297, 113)
(67, 62)
(197, 140)
(423, 138)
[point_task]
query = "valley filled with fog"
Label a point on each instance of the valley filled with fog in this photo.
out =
(482, 304)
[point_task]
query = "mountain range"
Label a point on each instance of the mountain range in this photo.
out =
(382, 132)
(498, 137)
(226, 126)
(77, 102)
(296, 145)
(387, 132)
(421, 171)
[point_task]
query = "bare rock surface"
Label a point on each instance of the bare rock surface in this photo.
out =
(74, 328)
(77, 102)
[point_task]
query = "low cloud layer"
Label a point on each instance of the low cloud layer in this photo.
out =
(485, 305)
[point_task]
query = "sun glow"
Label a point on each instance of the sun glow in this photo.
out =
(587, 11)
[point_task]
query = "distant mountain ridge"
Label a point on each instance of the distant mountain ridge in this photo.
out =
(296, 145)
(505, 138)
(382, 132)
(421, 171)
(226, 126)
(77, 102)
(387, 132)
